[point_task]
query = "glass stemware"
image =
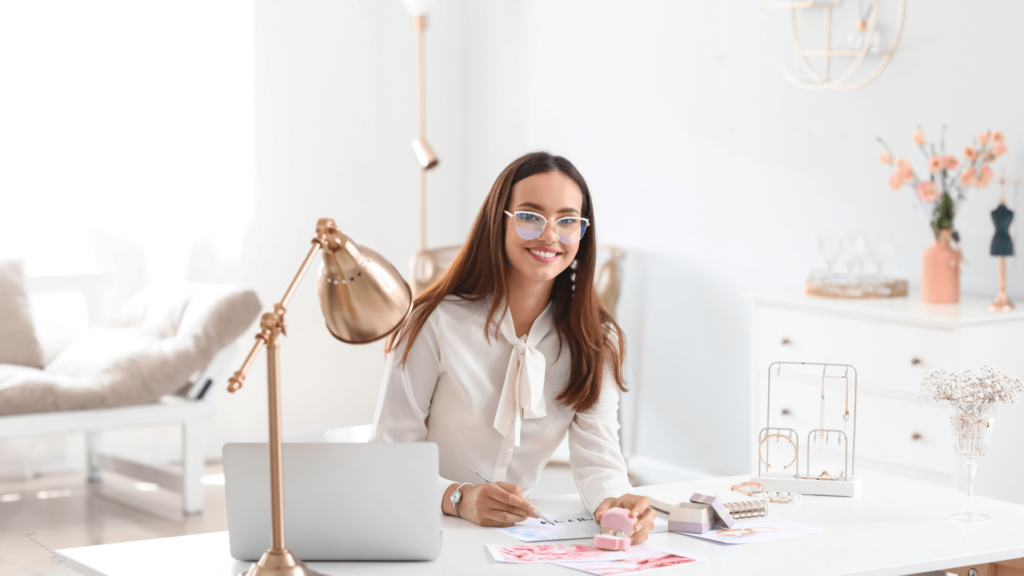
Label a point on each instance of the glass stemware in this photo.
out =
(880, 248)
(854, 252)
(830, 247)
(972, 435)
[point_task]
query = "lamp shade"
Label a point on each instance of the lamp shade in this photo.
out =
(424, 154)
(362, 296)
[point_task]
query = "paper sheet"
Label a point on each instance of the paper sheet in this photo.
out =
(637, 560)
(784, 529)
(587, 558)
(566, 527)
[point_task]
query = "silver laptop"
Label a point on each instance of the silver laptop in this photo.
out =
(341, 501)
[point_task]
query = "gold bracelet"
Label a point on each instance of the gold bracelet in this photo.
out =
(739, 488)
(747, 531)
(824, 476)
(796, 450)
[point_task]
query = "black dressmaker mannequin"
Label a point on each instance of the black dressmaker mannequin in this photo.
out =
(1002, 246)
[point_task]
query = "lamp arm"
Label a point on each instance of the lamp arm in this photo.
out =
(272, 323)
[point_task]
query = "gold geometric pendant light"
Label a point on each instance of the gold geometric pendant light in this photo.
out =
(800, 40)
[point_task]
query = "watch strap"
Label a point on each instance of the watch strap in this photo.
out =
(455, 501)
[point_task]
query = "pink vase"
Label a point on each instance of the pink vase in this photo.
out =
(940, 271)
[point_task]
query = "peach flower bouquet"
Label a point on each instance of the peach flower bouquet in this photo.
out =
(943, 189)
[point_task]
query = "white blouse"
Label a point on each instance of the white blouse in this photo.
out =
(490, 404)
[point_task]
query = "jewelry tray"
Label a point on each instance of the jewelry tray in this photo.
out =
(841, 436)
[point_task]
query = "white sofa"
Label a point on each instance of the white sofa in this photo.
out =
(150, 366)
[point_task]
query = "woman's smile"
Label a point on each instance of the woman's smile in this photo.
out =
(544, 254)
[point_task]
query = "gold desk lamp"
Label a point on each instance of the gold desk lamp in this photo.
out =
(363, 298)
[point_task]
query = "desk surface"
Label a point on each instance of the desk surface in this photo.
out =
(894, 527)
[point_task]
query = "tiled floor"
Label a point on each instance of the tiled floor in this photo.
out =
(63, 511)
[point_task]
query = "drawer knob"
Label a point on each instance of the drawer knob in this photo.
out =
(785, 411)
(915, 361)
(915, 436)
(785, 341)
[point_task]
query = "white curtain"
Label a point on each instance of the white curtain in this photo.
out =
(126, 127)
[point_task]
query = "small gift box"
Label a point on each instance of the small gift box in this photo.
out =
(691, 517)
(722, 515)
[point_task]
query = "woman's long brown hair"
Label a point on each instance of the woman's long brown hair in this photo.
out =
(481, 268)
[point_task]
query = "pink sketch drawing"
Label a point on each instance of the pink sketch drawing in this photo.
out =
(637, 560)
(548, 552)
(630, 566)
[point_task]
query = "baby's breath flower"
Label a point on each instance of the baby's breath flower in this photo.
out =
(990, 385)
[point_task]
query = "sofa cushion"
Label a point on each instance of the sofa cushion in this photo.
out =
(11, 372)
(158, 309)
(99, 348)
(18, 343)
(135, 363)
(60, 317)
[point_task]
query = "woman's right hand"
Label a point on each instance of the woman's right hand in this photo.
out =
(489, 505)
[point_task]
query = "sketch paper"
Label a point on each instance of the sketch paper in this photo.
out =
(638, 560)
(534, 553)
(786, 529)
(566, 527)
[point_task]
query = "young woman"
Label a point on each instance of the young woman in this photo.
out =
(509, 350)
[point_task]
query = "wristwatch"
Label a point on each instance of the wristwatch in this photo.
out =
(456, 497)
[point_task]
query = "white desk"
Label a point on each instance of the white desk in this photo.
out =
(895, 527)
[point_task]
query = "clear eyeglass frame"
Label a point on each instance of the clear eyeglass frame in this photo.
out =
(565, 227)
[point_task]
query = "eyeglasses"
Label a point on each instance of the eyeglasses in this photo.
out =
(530, 225)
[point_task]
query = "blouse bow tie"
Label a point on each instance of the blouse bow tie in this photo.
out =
(522, 394)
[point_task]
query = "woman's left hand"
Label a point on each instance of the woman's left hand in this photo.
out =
(639, 507)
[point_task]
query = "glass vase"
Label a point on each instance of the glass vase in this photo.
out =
(972, 435)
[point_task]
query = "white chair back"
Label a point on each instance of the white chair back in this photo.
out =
(350, 434)
(427, 265)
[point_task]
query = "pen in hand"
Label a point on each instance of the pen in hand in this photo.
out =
(543, 517)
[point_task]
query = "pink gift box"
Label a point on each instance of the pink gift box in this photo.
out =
(691, 517)
(689, 527)
(721, 514)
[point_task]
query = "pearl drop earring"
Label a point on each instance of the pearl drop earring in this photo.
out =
(572, 277)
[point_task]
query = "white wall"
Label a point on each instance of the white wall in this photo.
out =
(717, 174)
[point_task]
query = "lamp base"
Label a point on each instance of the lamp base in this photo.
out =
(280, 563)
(969, 517)
(1001, 304)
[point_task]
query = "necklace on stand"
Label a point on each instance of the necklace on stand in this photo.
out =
(821, 425)
(822, 434)
(846, 415)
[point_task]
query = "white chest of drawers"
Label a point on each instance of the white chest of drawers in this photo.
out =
(892, 343)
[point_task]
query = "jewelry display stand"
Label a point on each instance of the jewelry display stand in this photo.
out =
(783, 472)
